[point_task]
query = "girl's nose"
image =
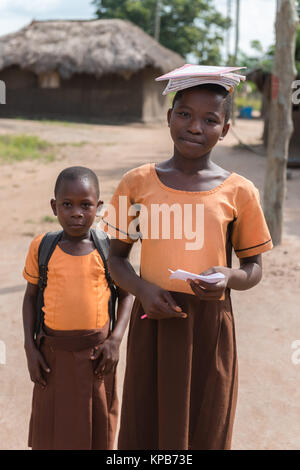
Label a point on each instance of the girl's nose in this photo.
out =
(195, 127)
(77, 213)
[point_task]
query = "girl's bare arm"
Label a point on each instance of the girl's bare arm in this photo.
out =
(157, 302)
(246, 276)
(36, 362)
(29, 314)
(125, 300)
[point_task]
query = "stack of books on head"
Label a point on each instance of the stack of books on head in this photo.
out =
(192, 75)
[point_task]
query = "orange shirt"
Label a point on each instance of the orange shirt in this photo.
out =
(77, 293)
(194, 237)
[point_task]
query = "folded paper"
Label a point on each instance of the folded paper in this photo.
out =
(184, 275)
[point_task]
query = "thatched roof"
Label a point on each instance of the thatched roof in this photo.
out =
(96, 47)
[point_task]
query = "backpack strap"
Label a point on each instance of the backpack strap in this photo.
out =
(102, 243)
(46, 248)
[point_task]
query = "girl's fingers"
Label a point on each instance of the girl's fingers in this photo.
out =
(96, 353)
(43, 364)
(165, 309)
(162, 310)
(206, 295)
(208, 286)
(174, 307)
(171, 302)
(39, 381)
(101, 363)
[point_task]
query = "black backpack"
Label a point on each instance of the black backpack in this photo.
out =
(46, 248)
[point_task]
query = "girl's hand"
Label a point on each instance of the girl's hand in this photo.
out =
(107, 354)
(158, 304)
(36, 364)
(208, 291)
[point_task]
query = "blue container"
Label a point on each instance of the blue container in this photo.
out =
(246, 112)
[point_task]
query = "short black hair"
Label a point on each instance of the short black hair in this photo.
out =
(74, 173)
(212, 87)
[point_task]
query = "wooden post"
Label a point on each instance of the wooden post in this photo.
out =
(280, 123)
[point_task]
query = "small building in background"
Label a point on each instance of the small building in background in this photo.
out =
(263, 81)
(96, 70)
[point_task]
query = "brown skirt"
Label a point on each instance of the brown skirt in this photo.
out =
(180, 386)
(76, 410)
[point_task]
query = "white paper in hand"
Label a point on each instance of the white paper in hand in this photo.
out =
(184, 275)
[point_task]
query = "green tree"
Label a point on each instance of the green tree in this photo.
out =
(186, 26)
(262, 59)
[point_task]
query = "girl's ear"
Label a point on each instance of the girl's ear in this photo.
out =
(53, 205)
(224, 131)
(169, 116)
(99, 206)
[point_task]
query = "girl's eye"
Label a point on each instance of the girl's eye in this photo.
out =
(86, 205)
(183, 114)
(66, 204)
(211, 121)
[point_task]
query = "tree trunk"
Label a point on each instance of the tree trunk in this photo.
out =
(157, 21)
(236, 50)
(280, 118)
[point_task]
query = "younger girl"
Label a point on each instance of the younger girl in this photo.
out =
(180, 387)
(73, 360)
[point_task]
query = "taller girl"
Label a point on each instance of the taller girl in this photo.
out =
(180, 387)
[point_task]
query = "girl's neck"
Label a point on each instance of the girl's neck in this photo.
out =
(71, 238)
(187, 165)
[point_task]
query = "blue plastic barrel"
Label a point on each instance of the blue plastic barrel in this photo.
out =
(246, 112)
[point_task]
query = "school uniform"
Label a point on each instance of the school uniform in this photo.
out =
(77, 409)
(180, 387)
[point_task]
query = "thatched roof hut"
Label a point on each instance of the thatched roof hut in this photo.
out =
(104, 55)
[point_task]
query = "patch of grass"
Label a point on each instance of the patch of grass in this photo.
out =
(24, 147)
(242, 102)
(49, 219)
(72, 144)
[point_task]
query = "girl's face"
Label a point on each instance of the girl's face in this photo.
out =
(197, 123)
(75, 206)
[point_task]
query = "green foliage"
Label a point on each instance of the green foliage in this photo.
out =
(264, 59)
(49, 219)
(186, 26)
(297, 55)
(242, 101)
(23, 147)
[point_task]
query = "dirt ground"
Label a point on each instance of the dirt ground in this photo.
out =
(267, 316)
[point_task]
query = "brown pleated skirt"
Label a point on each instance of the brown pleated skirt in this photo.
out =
(76, 410)
(180, 386)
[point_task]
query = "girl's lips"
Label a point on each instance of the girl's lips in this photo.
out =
(191, 141)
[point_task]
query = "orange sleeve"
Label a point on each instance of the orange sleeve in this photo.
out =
(120, 219)
(31, 269)
(250, 235)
